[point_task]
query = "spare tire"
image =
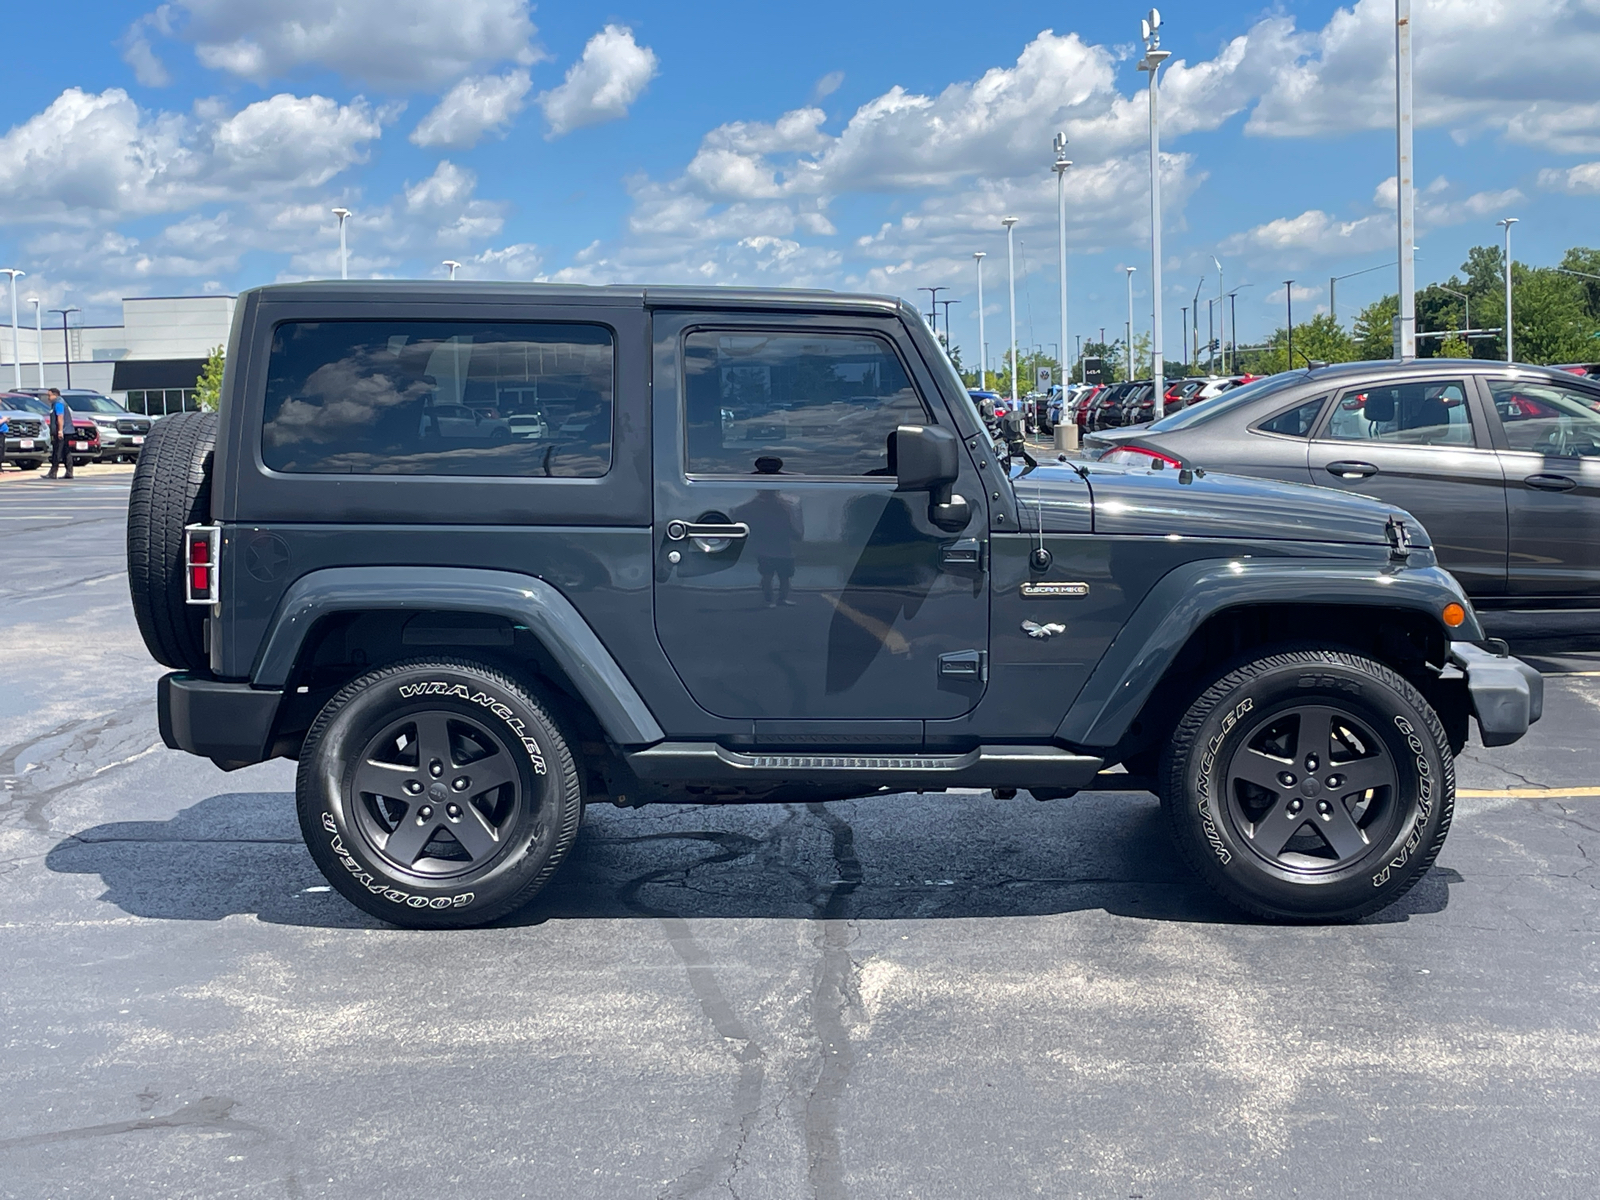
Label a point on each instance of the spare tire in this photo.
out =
(171, 489)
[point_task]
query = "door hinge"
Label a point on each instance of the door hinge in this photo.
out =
(966, 554)
(965, 664)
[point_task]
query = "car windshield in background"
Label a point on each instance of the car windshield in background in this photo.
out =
(86, 403)
(1239, 396)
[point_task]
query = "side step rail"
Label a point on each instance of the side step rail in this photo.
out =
(984, 767)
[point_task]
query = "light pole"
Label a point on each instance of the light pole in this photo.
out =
(1130, 271)
(1508, 222)
(1154, 56)
(983, 346)
(16, 342)
(1222, 325)
(1233, 321)
(1405, 328)
(947, 304)
(452, 264)
(1333, 281)
(1011, 280)
(1213, 343)
(1184, 309)
(66, 342)
(1288, 302)
(1195, 303)
(38, 334)
(344, 253)
(1060, 168)
(933, 305)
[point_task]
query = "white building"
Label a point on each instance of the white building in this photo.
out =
(150, 362)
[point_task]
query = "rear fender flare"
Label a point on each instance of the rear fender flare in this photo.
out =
(522, 599)
(1188, 596)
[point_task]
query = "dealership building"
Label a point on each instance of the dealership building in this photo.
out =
(149, 362)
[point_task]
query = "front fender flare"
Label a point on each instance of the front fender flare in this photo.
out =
(523, 599)
(1188, 596)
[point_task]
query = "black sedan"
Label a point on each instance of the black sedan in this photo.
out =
(1500, 462)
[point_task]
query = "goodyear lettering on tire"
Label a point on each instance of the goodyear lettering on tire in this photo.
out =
(377, 886)
(1424, 803)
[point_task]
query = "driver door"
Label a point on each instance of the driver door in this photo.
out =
(793, 581)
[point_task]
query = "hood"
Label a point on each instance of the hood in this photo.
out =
(1209, 504)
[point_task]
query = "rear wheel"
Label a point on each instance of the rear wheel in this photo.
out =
(437, 794)
(1310, 785)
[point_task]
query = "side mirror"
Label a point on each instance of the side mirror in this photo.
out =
(926, 458)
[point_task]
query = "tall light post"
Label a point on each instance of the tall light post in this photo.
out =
(1508, 222)
(1061, 164)
(66, 342)
(344, 253)
(1288, 301)
(1154, 56)
(983, 346)
(1222, 319)
(1011, 280)
(1184, 309)
(1130, 271)
(38, 334)
(453, 265)
(1333, 282)
(945, 304)
(16, 339)
(933, 305)
(1233, 321)
(1405, 327)
(1195, 303)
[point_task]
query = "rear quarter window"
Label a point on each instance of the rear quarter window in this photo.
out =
(1294, 422)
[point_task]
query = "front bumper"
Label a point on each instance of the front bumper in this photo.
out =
(1507, 694)
(229, 723)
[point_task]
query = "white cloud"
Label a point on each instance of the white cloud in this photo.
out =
(1581, 180)
(1516, 65)
(827, 85)
(148, 69)
(476, 106)
(601, 85)
(398, 44)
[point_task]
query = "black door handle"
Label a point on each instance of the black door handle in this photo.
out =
(1551, 483)
(1352, 470)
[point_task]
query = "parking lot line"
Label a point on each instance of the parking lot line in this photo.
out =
(1528, 793)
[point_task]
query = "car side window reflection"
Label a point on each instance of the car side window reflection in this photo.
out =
(820, 404)
(1425, 413)
(1548, 419)
(1295, 422)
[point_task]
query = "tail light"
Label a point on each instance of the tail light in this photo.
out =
(200, 546)
(1139, 456)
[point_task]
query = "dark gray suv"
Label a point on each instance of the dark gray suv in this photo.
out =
(761, 549)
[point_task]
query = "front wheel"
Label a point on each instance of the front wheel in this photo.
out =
(437, 793)
(1313, 785)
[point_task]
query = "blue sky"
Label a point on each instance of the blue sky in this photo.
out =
(198, 146)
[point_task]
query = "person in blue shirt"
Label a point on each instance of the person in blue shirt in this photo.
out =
(5, 432)
(60, 433)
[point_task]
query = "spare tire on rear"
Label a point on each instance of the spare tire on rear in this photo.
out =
(171, 489)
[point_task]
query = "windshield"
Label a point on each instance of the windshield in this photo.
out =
(26, 404)
(92, 403)
(1204, 411)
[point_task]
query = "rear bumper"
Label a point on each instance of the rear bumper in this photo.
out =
(229, 723)
(1507, 694)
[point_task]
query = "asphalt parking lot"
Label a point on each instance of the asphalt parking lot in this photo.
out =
(937, 996)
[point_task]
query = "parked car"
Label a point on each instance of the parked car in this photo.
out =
(462, 645)
(85, 439)
(119, 435)
(528, 426)
(1500, 463)
(28, 442)
(1083, 402)
(1109, 409)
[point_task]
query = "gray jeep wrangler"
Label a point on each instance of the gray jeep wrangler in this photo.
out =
(477, 555)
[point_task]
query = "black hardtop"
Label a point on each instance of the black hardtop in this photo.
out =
(435, 291)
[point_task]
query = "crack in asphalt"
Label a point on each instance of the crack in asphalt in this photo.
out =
(27, 798)
(208, 1112)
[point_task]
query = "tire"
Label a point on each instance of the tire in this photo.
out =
(171, 488)
(1261, 822)
(365, 782)
(31, 464)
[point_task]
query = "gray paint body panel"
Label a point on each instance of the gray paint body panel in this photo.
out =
(550, 615)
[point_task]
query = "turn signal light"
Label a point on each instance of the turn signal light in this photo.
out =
(1453, 614)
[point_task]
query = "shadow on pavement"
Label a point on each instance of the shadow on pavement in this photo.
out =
(926, 858)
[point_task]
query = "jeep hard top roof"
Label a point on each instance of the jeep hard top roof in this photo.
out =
(486, 292)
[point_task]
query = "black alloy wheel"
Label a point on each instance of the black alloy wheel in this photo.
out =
(1309, 785)
(1311, 788)
(438, 793)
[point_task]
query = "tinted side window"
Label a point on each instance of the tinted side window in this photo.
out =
(797, 403)
(439, 398)
(1295, 422)
(1548, 419)
(1425, 413)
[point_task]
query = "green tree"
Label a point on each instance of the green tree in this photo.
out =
(1455, 347)
(1374, 329)
(1321, 339)
(208, 385)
